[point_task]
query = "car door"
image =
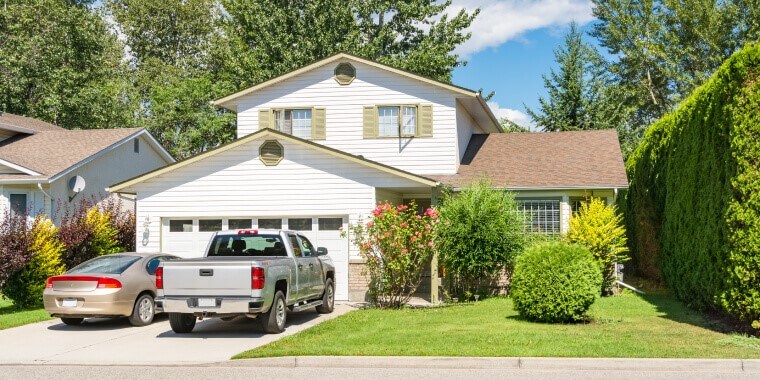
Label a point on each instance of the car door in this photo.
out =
(315, 269)
(302, 267)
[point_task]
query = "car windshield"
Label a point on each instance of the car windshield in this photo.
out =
(111, 264)
(247, 245)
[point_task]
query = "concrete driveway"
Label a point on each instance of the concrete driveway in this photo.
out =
(114, 341)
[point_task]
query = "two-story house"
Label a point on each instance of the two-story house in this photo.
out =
(319, 147)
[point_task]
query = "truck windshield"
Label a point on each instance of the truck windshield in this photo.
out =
(247, 245)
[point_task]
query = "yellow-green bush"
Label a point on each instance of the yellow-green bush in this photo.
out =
(598, 227)
(693, 208)
(25, 287)
(104, 235)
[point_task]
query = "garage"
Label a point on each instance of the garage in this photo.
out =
(188, 237)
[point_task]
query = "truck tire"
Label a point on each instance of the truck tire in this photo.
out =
(328, 298)
(181, 323)
(143, 311)
(273, 321)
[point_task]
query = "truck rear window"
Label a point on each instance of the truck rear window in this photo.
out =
(247, 245)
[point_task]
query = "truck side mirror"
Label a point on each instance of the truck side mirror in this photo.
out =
(321, 251)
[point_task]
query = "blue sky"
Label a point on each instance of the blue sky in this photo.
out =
(512, 46)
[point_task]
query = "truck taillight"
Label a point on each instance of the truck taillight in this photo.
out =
(160, 278)
(257, 278)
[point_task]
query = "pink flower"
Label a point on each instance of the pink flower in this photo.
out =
(404, 250)
(404, 224)
(430, 244)
(370, 224)
(402, 207)
(420, 246)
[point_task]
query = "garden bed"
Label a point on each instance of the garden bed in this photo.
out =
(653, 325)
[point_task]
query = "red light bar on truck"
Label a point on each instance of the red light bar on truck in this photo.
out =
(248, 232)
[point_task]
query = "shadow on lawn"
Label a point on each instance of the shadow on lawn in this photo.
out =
(11, 308)
(677, 311)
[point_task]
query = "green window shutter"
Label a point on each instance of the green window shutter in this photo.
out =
(370, 122)
(318, 124)
(425, 120)
(265, 118)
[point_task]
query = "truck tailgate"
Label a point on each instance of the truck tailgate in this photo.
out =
(204, 278)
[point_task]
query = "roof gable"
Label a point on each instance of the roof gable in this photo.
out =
(120, 187)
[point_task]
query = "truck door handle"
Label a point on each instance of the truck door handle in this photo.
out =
(311, 265)
(300, 266)
(206, 272)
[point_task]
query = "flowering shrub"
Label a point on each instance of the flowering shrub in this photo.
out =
(25, 287)
(15, 238)
(397, 245)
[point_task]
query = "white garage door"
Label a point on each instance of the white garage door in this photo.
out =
(188, 237)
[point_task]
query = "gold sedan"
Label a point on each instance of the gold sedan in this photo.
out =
(117, 285)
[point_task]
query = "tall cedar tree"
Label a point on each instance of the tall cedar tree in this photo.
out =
(60, 62)
(575, 90)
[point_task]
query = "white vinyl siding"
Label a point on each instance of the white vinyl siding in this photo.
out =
(344, 117)
(236, 183)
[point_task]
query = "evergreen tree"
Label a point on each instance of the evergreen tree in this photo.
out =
(576, 97)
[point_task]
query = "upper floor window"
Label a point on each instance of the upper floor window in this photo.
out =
(395, 121)
(306, 123)
(398, 121)
(296, 122)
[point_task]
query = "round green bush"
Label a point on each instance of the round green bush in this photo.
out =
(555, 282)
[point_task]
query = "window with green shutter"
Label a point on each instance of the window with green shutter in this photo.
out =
(398, 121)
(306, 123)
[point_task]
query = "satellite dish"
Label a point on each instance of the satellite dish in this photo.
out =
(76, 184)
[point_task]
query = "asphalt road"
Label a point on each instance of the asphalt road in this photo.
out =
(47, 372)
(114, 341)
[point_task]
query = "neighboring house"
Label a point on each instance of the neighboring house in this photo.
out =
(43, 166)
(317, 148)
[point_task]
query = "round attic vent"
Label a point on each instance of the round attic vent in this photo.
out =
(271, 152)
(345, 73)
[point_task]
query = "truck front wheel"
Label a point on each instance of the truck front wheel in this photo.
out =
(181, 323)
(273, 321)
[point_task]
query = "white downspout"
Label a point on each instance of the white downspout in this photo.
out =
(45, 193)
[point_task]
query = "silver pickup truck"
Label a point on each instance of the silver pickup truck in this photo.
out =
(257, 273)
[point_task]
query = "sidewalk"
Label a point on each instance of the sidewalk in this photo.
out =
(747, 366)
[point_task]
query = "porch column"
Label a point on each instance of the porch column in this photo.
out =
(435, 281)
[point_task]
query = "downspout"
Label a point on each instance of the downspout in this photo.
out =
(45, 193)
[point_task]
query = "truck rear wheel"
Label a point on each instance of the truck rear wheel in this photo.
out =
(328, 298)
(181, 323)
(273, 321)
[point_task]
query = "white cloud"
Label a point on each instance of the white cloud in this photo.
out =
(502, 20)
(513, 115)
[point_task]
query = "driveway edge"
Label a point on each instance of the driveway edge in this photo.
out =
(532, 363)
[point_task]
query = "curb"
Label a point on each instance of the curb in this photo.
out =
(532, 363)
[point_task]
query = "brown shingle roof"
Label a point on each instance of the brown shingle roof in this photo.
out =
(52, 152)
(36, 125)
(577, 159)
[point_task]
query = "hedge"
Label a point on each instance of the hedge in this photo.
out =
(693, 207)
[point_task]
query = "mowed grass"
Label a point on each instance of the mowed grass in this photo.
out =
(655, 325)
(10, 316)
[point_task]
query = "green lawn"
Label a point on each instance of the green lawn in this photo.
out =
(655, 325)
(10, 316)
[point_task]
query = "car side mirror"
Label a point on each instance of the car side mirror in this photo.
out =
(321, 251)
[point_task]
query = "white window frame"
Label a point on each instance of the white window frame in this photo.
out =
(533, 226)
(400, 124)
